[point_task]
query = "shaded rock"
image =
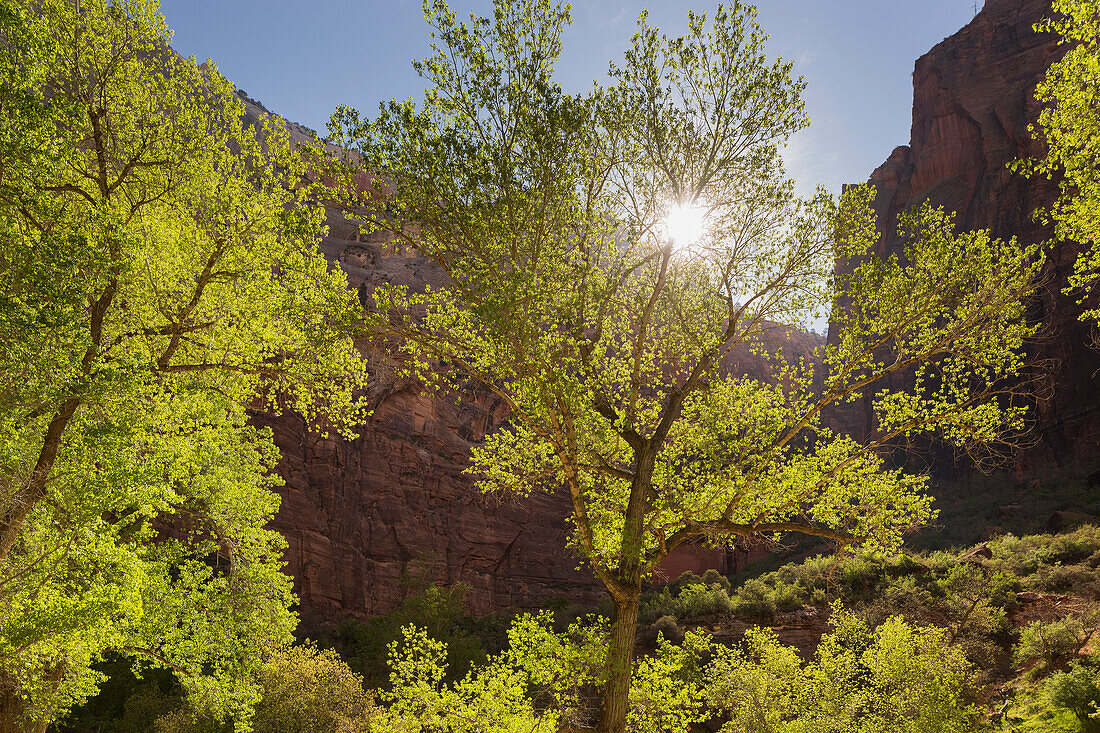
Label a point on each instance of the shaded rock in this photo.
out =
(976, 555)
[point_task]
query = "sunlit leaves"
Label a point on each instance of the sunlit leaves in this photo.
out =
(610, 347)
(950, 311)
(897, 677)
(159, 277)
(1069, 124)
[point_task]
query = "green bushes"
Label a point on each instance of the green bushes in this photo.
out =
(1071, 548)
(754, 600)
(897, 677)
(1078, 692)
(304, 690)
(711, 578)
(440, 611)
(689, 596)
(1052, 642)
(921, 632)
(701, 600)
(666, 627)
(1079, 579)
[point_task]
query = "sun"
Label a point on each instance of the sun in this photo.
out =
(685, 224)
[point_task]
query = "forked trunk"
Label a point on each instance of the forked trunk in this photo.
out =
(620, 660)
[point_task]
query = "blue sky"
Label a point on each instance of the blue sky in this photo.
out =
(303, 59)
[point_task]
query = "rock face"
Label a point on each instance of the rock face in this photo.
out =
(367, 519)
(973, 101)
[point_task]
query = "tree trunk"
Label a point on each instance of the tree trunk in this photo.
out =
(620, 662)
(11, 523)
(11, 706)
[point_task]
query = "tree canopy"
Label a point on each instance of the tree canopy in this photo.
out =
(605, 332)
(159, 277)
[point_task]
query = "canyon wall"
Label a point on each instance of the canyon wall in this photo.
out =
(972, 103)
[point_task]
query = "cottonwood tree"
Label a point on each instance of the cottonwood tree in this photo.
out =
(1070, 127)
(576, 293)
(158, 276)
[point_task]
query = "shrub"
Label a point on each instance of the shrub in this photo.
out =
(903, 596)
(967, 600)
(305, 690)
(1070, 548)
(788, 597)
(904, 565)
(1051, 642)
(754, 600)
(939, 561)
(1076, 691)
(657, 605)
(860, 574)
(1079, 579)
(667, 627)
(686, 579)
(699, 600)
(897, 677)
(712, 577)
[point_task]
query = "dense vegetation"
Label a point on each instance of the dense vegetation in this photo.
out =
(1069, 125)
(159, 278)
(996, 638)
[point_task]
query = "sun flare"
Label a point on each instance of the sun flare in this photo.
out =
(685, 224)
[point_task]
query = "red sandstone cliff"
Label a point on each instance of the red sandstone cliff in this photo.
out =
(972, 105)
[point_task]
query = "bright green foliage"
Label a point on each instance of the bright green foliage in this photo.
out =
(1077, 691)
(968, 599)
(1070, 127)
(700, 600)
(924, 305)
(303, 690)
(533, 686)
(607, 346)
(306, 690)
(158, 277)
(894, 678)
(1052, 642)
(605, 336)
(666, 692)
(757, 685)
(897, 677)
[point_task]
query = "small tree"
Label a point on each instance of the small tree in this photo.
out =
(158, 276)
(579, 294)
